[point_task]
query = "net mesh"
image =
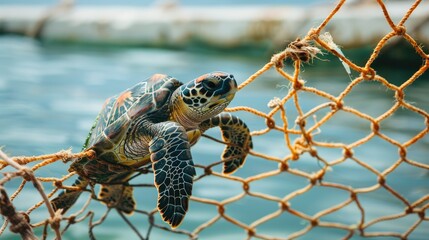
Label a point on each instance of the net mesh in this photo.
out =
(301, 138)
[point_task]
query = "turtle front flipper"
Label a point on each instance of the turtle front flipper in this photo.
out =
(236, 134)
(173, 168)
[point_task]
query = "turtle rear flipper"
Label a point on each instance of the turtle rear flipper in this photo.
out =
(118, 196)
(236, 134)
(67, 198)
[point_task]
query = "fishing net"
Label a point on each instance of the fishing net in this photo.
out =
(305, 139)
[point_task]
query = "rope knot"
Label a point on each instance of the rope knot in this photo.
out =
(297, 50)
(368, 74)
(400, 30)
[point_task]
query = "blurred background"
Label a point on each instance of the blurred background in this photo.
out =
(59, 61)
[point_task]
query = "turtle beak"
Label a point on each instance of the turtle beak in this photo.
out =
(226, 92)
(228, 96)
(233, 85)
(224, 98)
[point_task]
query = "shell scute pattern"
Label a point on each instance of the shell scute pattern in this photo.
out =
(133, 102)
(123, 102)
(143, 98)
(115, 131)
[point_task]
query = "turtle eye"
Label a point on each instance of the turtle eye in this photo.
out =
(210, 84)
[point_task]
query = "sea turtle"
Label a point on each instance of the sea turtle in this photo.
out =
(154, 124)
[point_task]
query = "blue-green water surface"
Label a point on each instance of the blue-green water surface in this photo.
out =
(51, 94)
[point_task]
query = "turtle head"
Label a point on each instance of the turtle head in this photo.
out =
(203, 98)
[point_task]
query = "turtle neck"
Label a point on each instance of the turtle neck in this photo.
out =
(181, 114)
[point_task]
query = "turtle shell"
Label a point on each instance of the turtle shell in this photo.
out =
(148, 98)
(143, 98)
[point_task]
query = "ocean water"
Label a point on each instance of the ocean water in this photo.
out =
(50, 95)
